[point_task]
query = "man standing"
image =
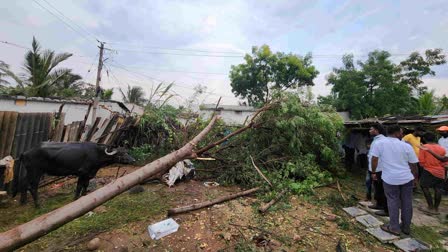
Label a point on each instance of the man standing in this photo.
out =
(414, 139)
(377, 132)
(433, 173)
(443, 141)
(399, 171)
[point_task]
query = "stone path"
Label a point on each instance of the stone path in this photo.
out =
(373, 224)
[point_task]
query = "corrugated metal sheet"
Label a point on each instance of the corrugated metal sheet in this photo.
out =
(26, 131)
(8, 122)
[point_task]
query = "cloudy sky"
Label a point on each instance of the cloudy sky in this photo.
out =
(196, 42)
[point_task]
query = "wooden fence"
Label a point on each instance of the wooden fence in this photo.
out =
(20, 132)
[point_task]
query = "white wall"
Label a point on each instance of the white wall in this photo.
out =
(74, 111)
(230, 117)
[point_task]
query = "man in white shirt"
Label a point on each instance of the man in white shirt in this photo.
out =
(399, 164)
(377, 132)
(443, 141)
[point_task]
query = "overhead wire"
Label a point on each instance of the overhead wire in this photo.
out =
(119, 66)
(63, 21)
(71, 20)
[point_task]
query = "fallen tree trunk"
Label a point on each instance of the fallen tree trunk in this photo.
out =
(264, 208)
(46, 223)
(184, 209)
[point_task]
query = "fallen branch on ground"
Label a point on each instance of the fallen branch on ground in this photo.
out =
(46, 223)
(184, 209)
(264, 208)
(259, 172)
(340, 191)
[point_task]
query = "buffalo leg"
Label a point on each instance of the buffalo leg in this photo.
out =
(34, 185)
(85, 184)
(78, 188)
(23, 197)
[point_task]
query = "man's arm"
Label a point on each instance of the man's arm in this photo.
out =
(414, 169)
(374, 166)
(440, 158)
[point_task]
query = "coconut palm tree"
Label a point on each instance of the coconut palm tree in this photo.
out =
(41, 78)
(4, 68)
(134, 94)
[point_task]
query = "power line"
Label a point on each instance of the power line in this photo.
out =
(178, 49)
(159, 80)
(176, 71)
(15, 45)
(28, 48)
(179, 54)
(63, 21)
(71, 20)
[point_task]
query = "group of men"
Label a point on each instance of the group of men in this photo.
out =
(397, 164)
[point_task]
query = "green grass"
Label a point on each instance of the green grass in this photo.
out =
(428, 235)
(125, 208)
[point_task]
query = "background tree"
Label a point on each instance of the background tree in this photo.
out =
(134, 94)
(4, 73)
(106, 94)
(263, 71)
(380, 87)
(41, 76)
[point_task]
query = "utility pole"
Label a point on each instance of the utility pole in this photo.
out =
(98, 80)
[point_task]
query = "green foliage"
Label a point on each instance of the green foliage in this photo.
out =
(296, 146)
(134, 94)
(380, 87)
(42, 78)
(157, 134)
(429, 235)
(107, 94)
(265, 70)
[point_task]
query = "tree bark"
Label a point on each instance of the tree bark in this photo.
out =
(264, 208)
(184, 209)
(46, 223)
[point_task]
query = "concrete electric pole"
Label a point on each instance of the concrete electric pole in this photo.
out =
(98, 80)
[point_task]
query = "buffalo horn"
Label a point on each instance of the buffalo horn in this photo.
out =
(110, 153)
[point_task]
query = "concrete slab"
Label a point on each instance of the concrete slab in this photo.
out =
(381, 235)
(365, 204)
(369, 221)
(354, 211)
(410, 244)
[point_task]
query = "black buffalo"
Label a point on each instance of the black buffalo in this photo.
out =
(63, 159)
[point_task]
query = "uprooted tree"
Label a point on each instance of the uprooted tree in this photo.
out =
(295, 144)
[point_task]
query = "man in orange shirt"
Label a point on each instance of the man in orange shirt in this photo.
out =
(433, 173)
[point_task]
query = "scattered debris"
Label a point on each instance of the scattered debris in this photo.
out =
(210, 184)
(93, 244)
(265, 207)
(211, 202)
(100, 209)
(182, 169)
(162, 228)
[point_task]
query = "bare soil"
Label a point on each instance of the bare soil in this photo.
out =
(293, 224)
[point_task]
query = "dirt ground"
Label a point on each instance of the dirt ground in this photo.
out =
(314, 223)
